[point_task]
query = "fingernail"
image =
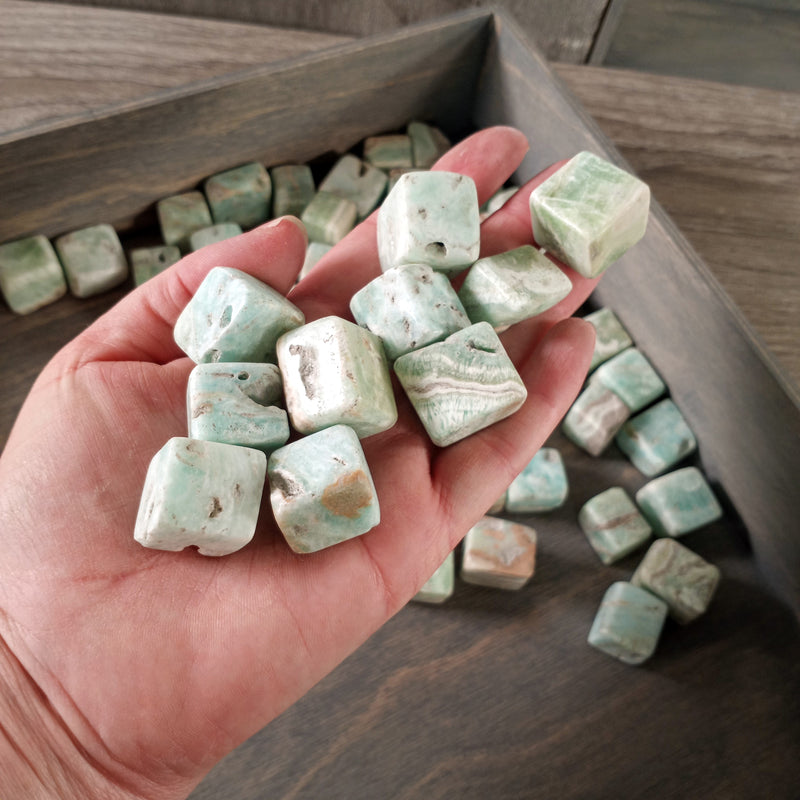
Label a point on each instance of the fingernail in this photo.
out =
(288, 218)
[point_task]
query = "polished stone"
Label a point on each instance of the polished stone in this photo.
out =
(242, 195)
(30, 274)
(234, 317)
(499, 554)
(292, 189)
(631, 377)
(589, 213)
(201, 493)
(353, 179)
(657, 439)
(613, 524)
(328, 218)
(439, 587)
(147, 262)
(408, 307)
(461, 385)
(594, 418)
(428, 144)
(610, 336)
(388, 152)
(335, 372)
(93, 260)
(497, 201)
(314, 253)
(541, 486)
(213, 234)
(321, 490)
(180, 216)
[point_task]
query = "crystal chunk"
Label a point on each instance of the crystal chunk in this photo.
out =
(439, 587)
(292, 189)
(241, 195)
(428, 144)
(147, 262)
(93, 260)
(499, 554)
(541, 486)
(213, 234)
(610, 336)
(613, 524)
(328, 218)
(388, 152)
(180, 216)
(594, 418)
(353, 179)
(632, 378)
(30, 274)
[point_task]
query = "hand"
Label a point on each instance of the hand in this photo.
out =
(130, 672)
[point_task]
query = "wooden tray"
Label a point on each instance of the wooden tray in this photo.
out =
(494, 695)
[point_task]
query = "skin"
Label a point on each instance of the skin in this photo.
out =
(127, 672)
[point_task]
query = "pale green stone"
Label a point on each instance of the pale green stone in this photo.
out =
(628, 623)
(147, 262)
(632, 378)
(678, 502)
(681, 578)
(30, 274)
(439, 587)
(409, 307)
(353, 179)
(430, 218)
(541, 486)
(93, 260)
(236, 403)
(234, 317)
(213, 234)
(201, 493)
(241, 195)
(321, 490)
(512, 286)
(613, 525)
(314, 253)
(499, 554)
(335, 372)
(497, 201)
(181, 215)
(594, 418)
(328, 218)
(387, 152)
(428, 144)
(610, 336)
(292, 189)
(589, 213)
(461, 385)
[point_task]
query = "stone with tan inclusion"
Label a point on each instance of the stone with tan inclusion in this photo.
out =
(499, 554)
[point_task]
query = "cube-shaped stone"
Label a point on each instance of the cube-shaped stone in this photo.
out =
(93, 260)
(213, 234)
(242, 195)
(355, 180)
(292, 189)
(430, 218)
(30, 274)
(610, 336)
(336, 373)
(632, 378)
(613, 524)
(321, 490)
(499, 554)
(678, 502)
(541, 486)
(657, 439)
(512, 286)
(236, 403)
(439, 587)
(328, 218)
(589, 213)
(409, 307)
(180, 216)
(147, 262)
(234, 317)
(595, 418)
(497, 201)
(314, 253)
(461, 385)
(681, 578)
(388, 152)
(428, 144)
(628, 623)
(201, 493)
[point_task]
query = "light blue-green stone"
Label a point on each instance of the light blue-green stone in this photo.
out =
(439, 587)
(678, 502)
(409, 307)
(657, 439)
(236, 403)
(632, 378)
(589, 213)
(30, 274)
(321, 490)
(93, 260)
(461, 385)
(613, 525)
(499, 554)
(147, 262)
(430, 218)
(353, 179)
(428, 144)
(541, 486)
(497, 201)
(512, 286)
(610, 336)
(388, 152)
(201, 493)
(328, 218)
(180, 216)
(628, 623)
(213, 234)
(241, 195)
(314, 253)
(594, 418)
(681, 578)
(292, 189)
(234, 317)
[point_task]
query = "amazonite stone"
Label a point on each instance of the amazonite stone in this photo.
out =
(147, 262)
(461, 385)
(201, 493)
(681, 578)
(541, 486)
(499, 554)
(234, 317)
(428, 144)
(589, 213)
(388, 152)
(678, 502)
(30, 274)
(328, 218)
(336, 373)
(497, 201)
(610, 336)
(512, 286)
(93, 260)
(353, 179)
(657, 439)
(292, 189)
(613, 524)
(213, 234)
(236, 403)
(430, 218)
(181, 215)
(439, 587)
(628, 623)
(321, 490)
(632, 378)
(314, 253)
(409, 307)
(595, 418)
(241, 195)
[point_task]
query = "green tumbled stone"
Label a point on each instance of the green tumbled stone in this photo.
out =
(594, 418)
(292, 189)
(439, 587)
(201, 493)
(314, 253)
(328, 218)
(632, 378)
(428, 144)
(628, 623)
(497, 201)
(181, 215)
(241, 195)
(321, 490)
(30, 274)
(512, 286)
(589, 213)
(388, 152)
(681, 578)
(499, 554)
(610, 336)
(541, 486)
(213, 234)
(147, 262)
(93, 260)
(613, 525)
(461, 385)
(352, 179)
